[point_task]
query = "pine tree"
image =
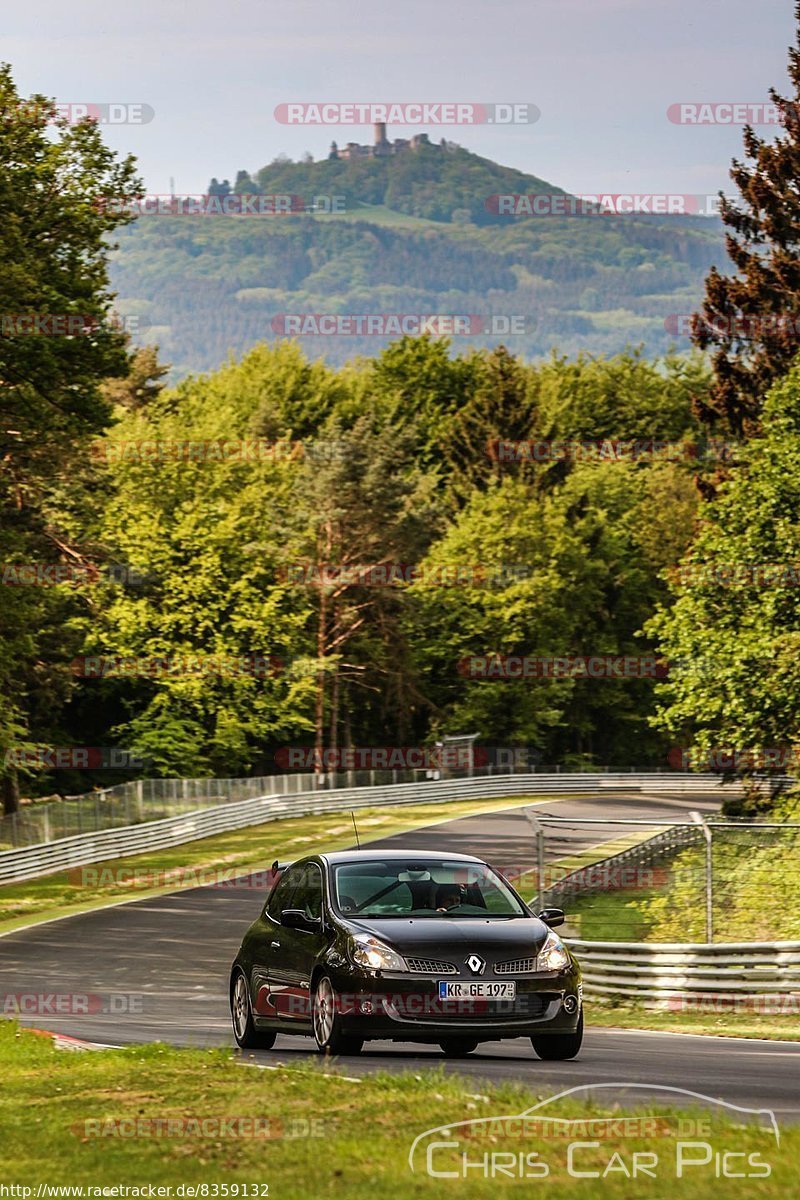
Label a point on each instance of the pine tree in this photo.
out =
(751, 321)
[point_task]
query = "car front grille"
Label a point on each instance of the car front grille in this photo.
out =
(529, 1006)
(430, 966)
(516, 966)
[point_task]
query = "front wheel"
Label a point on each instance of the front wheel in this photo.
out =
(555, 1046)
(457, 1047)
(327, 1022)
(245, 1032)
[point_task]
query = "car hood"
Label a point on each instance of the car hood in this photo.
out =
(430, 937)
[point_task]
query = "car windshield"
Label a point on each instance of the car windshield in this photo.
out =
(435, 888)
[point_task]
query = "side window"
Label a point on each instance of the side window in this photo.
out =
(308, 895)
(283, 892)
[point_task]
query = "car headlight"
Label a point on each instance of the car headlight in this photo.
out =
(375, 955)
(553, 955)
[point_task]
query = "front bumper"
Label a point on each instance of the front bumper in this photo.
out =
(407, 1008)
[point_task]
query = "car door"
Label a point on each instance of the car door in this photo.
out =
(266, 941)
(292, 960)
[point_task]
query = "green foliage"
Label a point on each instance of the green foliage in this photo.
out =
(392, 471)
(731, 628)
(59, 188)
(749, 319)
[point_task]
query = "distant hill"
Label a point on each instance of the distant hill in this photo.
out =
(418, 235)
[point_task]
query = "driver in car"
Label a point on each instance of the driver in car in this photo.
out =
(448, 895)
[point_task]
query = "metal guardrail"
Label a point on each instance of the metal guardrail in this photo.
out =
(30, 862)
(676, 975)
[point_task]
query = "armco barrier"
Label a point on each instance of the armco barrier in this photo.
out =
(32, 861)
(673, 974)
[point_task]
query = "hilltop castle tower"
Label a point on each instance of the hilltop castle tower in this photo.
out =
(381, 146)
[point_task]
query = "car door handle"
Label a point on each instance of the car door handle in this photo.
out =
(274, 945)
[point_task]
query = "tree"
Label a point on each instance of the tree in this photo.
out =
(61, 192)
(208, 532)
(732, 629)
(751, 320)
(366, 512)
(142, 384)
(560, 571)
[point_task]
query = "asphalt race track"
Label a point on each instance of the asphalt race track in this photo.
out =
(162, 966)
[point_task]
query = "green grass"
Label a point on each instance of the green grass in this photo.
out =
(781, 1025)
(253, 848)
(57, 1111)
(612, 916)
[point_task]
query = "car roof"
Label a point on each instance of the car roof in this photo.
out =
(367, 854)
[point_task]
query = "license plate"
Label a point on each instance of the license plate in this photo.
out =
(486, 989)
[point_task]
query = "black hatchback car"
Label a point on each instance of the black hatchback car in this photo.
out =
(407, 946)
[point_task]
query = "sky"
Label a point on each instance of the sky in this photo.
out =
(602, 73)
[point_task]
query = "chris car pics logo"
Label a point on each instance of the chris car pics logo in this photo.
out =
(702, 1143)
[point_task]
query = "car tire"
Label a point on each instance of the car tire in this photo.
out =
(457, 1047)
(245, 1032)
(327, 1022)
(554, 1046)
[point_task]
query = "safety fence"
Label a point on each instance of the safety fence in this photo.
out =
(143, 800)
(637, 879)
(31, 861)
(759, 977)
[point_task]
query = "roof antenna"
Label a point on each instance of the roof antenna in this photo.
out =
(355, 827)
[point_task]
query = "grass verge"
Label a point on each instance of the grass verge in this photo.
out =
(782, 1024)
(92, 1120)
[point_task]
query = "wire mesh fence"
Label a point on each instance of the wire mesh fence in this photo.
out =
(640, 881)
(142, 800)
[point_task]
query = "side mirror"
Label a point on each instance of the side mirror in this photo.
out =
(295, 918)
(552, 916)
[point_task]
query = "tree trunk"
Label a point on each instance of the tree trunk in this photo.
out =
(319, 741)
(10, 786)
(334, 720)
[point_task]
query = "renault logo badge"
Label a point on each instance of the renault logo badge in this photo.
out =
(476, 964)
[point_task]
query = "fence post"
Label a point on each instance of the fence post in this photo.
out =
(536, 826)
(698, 819)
